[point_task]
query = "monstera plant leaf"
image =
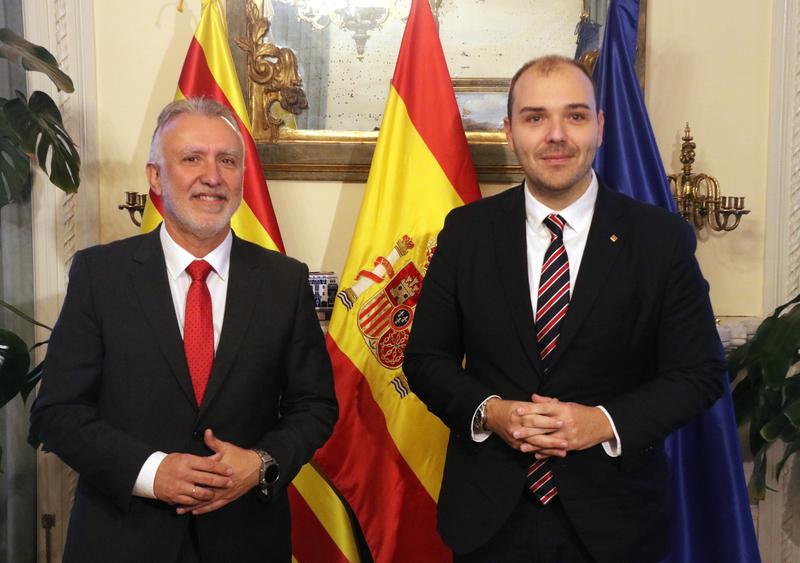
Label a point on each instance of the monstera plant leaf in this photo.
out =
(14, 362)
(38, 123)
(767, 390)
(33, 57)
(14, 163)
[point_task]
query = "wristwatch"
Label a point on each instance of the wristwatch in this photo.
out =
(269, 472)
(479, 420)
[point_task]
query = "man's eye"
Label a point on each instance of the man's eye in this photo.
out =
(578, 117)
(534, 118)
(190, 158)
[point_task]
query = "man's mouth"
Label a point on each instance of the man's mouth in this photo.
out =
(557, 157)
(210, 197)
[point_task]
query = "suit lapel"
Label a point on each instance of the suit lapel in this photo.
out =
(607, 236)
(511, 253)
(150, 284)
(243, 285)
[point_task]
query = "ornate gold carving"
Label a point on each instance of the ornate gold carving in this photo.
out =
(698, 196)
(273, 77)
(588, 60)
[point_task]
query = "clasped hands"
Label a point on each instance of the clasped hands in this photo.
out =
(546, 426)
(200, 484)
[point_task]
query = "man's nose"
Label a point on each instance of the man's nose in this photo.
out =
(211, 173)
(555, 134)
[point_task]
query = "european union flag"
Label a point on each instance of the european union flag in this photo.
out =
(712, 520)
(588, 37)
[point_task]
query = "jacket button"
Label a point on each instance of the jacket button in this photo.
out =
(197, 435)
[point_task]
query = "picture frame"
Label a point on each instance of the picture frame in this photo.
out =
(346, 155)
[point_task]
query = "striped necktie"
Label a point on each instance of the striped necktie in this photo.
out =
(552, 302)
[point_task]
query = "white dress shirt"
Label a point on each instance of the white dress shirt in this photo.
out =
(177, 259)
(578, 218)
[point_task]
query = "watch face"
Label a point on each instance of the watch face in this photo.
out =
(271, 473)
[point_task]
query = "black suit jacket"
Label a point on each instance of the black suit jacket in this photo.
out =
(639, 338)
(116, 388)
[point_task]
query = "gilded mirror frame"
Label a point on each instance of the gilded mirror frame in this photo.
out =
(320, 155)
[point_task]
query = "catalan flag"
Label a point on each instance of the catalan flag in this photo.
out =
(321, 529)
(208, 71)
(386, 455)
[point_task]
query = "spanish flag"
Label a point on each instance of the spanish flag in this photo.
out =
(321, 529)
(387, 451)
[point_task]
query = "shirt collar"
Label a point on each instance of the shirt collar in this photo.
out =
(578, 214)
(178, 258)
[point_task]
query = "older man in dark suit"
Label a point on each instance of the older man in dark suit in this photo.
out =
(562, 332)
(186, 380)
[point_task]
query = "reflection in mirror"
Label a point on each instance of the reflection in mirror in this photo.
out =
(347, 49)
(325, 127)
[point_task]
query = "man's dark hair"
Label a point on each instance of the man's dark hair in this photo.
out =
(545, 65)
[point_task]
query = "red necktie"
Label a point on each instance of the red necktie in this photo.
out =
(198, 328)
(552, 302)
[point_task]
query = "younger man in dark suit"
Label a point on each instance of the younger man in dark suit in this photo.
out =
(186, 380)
(562, 332)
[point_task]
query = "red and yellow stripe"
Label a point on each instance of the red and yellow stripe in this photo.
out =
(386, 455)
(208, 71)
(321, 529)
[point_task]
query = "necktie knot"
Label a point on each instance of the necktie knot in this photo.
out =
(199, 270)
(555, 223)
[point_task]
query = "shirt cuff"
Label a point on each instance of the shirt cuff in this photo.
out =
(613, 448)
(480, 436)
(143, 487)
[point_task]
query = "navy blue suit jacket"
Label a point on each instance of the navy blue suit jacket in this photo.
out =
(116, 387)
(639, 338)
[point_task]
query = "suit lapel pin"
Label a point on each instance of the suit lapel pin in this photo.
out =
(614, 238)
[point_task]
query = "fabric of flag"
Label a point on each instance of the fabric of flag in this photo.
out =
(629, 157)
(588, 38)
(712, 520)
(208, 71)
(386, 455)
(321, 527)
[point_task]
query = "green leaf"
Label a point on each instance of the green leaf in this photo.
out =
(755, 439)
(28, 318)
(790, 449)
(779, 348)
(14, 363)
(744, 400)
(33, 379)
(33, 57)
(772, 430)
(15, 165)
(779, 309)
(737, 359)
(792, 413)
(758, 480)
(39, 125)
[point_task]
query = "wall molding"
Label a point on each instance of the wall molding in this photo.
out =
(782, 229)
(779, 513)
(62, 223)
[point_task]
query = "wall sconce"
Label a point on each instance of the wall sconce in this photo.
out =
(698, 196)
(134, 203)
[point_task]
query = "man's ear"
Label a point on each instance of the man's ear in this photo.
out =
(601, 121)
(153, 174)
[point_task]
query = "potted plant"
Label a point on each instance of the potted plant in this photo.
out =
(767, 389)
(31, 132)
